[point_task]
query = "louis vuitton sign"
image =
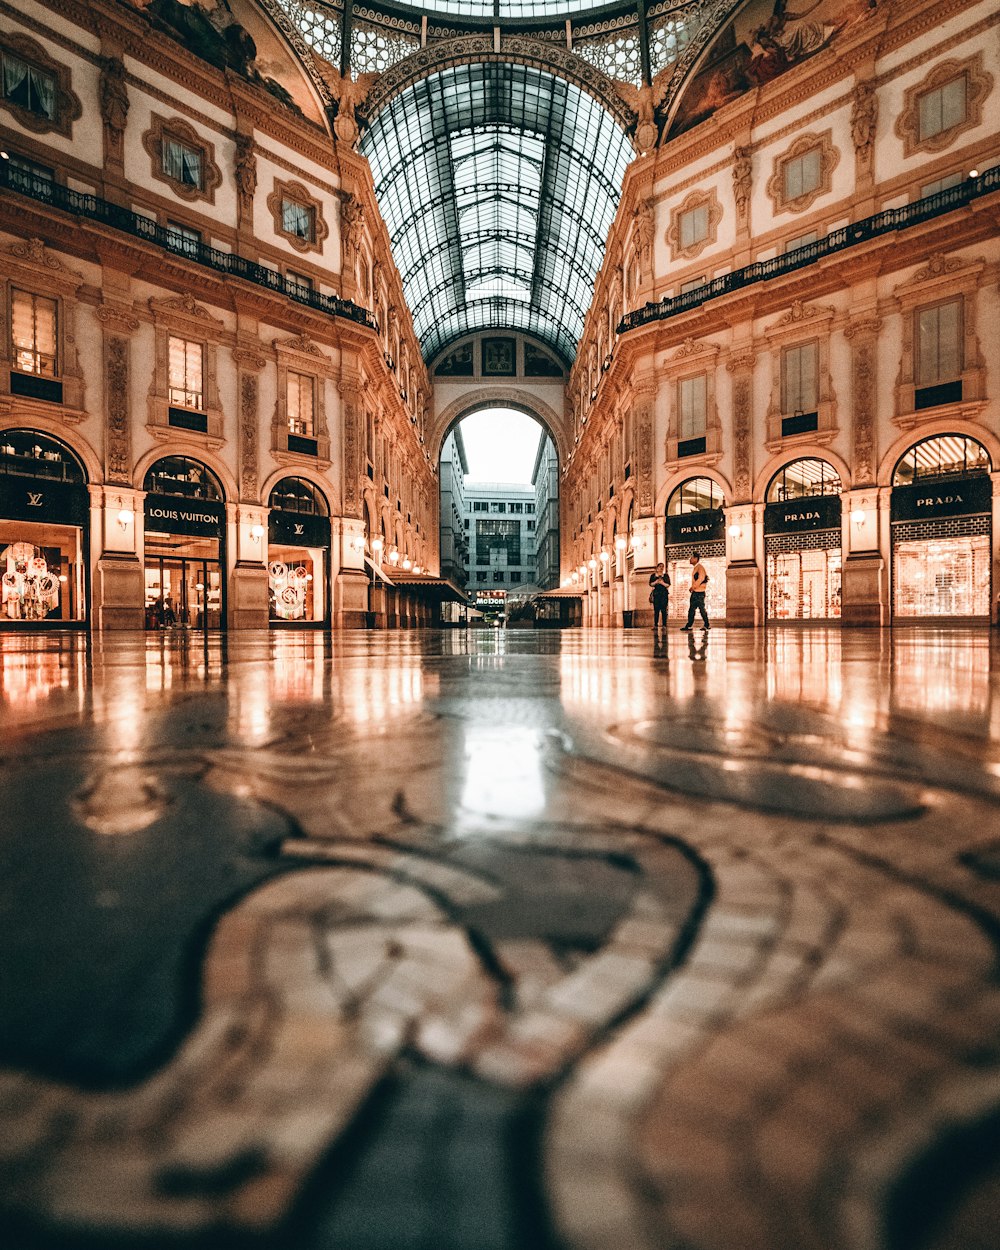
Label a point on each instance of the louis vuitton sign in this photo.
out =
(171, 514)
(41, 499)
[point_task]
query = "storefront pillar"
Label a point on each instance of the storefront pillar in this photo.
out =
(865, 586)
(647, 543)
(247, 599)
(744, 578)
(117, 596)
(351, 606)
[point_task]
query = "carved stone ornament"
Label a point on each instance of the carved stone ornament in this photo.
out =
(114, 101)
(864, 403)
(937, 264)
(742, 443)
(35, 251)
(352, 224)
(300, 343)
(804, 312)
(645, 458)
(185, 303)
(742, 181)
(118, 439)
(117, 318)
(694, 347)
(978, 84)
(740, 361)
(862, 327)
(248, 359)
(245, 168)
(864, 119)
(248, 435)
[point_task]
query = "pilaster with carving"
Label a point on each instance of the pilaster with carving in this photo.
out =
(245, 175)
(114, 105)
(864, 121)
(863, 337)
(740, 365)
(250, 360)
(644, 397)
(118, 324)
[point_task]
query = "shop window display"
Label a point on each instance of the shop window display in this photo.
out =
(679, 569)
(297, 553)
(943, 576)
(292, 582)
(804, 585)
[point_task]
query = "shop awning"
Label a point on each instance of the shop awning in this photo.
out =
(560, 594)
(438, 587)
(377, 571)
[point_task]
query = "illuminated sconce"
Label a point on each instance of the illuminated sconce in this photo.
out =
(125, 515)
(394, 555)
(358, 543)
(574, 577)
(583, 570)
(63, 577)
(591, 564)
(735, 531)
(417, 568)
(973, 173)
(605, 555)
(407, 563)
(377, 545)
(621, 543)
(859, 516)
(256, 532)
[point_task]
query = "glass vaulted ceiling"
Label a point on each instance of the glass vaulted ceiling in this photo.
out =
(498, 184)
(508, 9)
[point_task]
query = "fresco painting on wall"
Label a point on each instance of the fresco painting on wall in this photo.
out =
(764, 40)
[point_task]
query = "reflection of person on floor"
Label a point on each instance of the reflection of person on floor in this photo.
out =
(698, 651)
(169, 616)
(659, 595)
(699, 580)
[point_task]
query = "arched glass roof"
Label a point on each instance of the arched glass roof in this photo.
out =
(505, 9)
(498, 183)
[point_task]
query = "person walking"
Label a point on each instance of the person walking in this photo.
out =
(699, 580)
(659, 595)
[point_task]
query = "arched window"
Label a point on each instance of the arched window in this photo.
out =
(180, 475)
(697, 494)
(294, 494)
(803, 479)
(26, 453)
(947, 455)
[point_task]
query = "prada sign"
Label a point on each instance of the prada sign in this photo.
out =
(298, 529)
(961, 496)
(792, 516)
(170, 514)
(38, 499)
(695, 527)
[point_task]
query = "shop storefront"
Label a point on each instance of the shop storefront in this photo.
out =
(298, 555)
(44, 511)
(185, 527)
(942, 534)
(802, 543)
(696, 523)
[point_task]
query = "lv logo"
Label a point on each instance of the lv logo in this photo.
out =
(299, 529)
(34, 499)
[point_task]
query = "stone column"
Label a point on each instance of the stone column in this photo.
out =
(118, 583)
(247, 599)
(744, 573)
(864, 586)
(350, 599)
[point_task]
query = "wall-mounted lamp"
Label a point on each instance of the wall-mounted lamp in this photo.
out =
(125, 515)
(973, 173)
(605, 555)
(358, 543)
(394, 555)
(417, 568)
(256, 532)
(621, 542)
(583, 570)
(735, 531)
(591, 564)
(407, 563)
(377, 545)
(574, 577)
(859, 516)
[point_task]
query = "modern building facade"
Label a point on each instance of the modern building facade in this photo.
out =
(500, 521)
(545, 479)
(455, 533)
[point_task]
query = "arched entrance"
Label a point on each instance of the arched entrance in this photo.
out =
(696, 523)
(298, 554)
(941, 512)
(44, 511)
(803, 542)
(184, 554)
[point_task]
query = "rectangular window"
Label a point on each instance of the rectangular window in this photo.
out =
(941, 184)
(498, 542)
(300, 282)
(515, 577)
(939, 343)
(801, 240)
(183, 238)
(799, 375)
(29, 87)
(802, 174)
(185, 366)
(297, 219)
(692, 284)
(182, 163)
(691, 403)
(531, 525)
(941, 108)
(497, 575)
(694, 226)
(34, 326)
(498, 507)
(301, 397)
(517, 507)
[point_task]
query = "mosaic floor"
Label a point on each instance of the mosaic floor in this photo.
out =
(485, 941)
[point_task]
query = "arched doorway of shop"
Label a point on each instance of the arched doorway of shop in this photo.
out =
(499, 474)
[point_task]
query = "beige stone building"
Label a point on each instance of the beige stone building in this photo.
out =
(245, 244)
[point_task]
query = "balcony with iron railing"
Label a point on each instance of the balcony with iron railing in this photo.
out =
(92, 208)
(884, 223)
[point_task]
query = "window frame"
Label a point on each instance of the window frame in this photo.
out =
(828, 157)
(706, 199)
(34, 296)
(935, 306)
(67, 105)
(787, 408)
(173, 390)
(296, 193)
(177, 130)
(979, 83)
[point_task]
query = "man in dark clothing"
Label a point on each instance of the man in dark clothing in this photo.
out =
(659, 595)
(699, 580)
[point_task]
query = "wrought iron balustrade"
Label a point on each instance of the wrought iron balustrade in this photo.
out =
(886, 222)
(93, 208)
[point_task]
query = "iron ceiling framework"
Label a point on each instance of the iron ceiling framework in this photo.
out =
(498, 183)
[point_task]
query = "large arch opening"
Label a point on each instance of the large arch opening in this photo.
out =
(499, 474)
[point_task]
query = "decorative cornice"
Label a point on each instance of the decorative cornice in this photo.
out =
(117, 318)
(740, 361)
